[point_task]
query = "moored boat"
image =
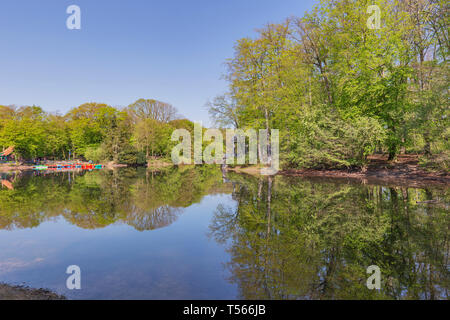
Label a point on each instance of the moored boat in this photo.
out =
(40, 167)
(77, 166)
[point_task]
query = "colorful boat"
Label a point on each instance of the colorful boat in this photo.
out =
(59, 167)
(40, 168)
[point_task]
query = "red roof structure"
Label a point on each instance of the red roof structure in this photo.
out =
(7, 152)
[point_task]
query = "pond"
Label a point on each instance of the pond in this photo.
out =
(192, 233)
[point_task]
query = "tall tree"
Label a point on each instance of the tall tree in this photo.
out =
(152, 109)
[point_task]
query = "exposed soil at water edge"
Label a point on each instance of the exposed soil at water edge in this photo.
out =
(12, 167)
(8, 292)
(404, 171)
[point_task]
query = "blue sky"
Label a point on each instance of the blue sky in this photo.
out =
(173, 51)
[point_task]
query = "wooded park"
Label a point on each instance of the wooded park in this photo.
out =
(337, 90)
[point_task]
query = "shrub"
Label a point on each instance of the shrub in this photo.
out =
(95, 153)
(332, 142)
(131, 156)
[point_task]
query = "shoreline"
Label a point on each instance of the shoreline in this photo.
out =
(4, 168)
(405, 171)
(386, 177)
(13, 168)
(12, 292)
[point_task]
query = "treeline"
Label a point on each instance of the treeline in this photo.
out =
(338, 90)
(92, 131)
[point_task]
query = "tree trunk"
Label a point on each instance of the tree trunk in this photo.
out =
(427, 147)
(269, 152)
(392, 154)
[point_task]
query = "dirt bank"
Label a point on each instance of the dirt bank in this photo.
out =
(157, 163)
(12, 167)
(404, 171)
(8, 292)
(112, 165)
(250, 170)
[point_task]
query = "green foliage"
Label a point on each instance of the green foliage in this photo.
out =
(183, 124)
(440, 162)
(95, 153)
(131, 156)
(26, 133)
(337, 89)
(331, 142)
(153, 137)
(92, 131)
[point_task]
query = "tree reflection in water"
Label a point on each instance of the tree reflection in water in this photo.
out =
(140, 198)
(288, 237)
(291, 238)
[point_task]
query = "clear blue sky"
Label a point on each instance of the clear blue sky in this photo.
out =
(172, 51)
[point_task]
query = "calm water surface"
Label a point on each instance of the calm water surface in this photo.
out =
(191, 233)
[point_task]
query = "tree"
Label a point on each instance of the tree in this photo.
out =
(153, 137)
(428, 42)
(57, 137)
(27, 135)
(151, 109)
(224, 111)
